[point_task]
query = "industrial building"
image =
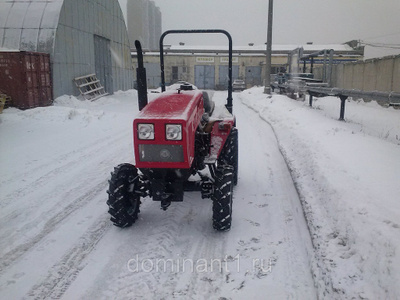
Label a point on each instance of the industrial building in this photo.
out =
(81, 36)
(144, 23)
(207, 66)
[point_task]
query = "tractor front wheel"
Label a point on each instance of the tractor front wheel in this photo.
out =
(123, 202)
(222, 198)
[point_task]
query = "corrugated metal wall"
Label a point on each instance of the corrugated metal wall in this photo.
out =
(103, 64)
(253, 76)
(153, 71)
(224, 76)
(75, 55)
(26, 78)
(65, 29)
(204, 76)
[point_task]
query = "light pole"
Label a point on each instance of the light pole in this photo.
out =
(267, 88)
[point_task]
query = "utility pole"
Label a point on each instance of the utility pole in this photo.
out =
(267, 88)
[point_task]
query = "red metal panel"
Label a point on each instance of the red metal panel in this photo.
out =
(26, 78)
(185, 109)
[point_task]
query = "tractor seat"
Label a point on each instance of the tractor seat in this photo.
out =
(209, 105)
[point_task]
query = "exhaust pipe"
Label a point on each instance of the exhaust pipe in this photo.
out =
(141, 77)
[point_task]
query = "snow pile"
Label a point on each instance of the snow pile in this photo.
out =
(36, 135)
(346, 174)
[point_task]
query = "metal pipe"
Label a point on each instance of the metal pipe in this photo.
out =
(342, 107)
(267, 88)
(388, 97)
(324, 67)
(141, 77)
(315, 54)
(330, 67)
(392, 98)
(312, 65)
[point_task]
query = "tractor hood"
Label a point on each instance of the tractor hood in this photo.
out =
(155, 146)
(176, 105)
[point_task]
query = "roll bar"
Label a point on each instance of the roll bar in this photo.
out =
(229, 99)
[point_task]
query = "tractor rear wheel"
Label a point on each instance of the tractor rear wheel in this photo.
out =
(222, 198)
(230, 154)
(123, 202)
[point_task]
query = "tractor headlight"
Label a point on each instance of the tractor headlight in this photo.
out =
(146, 131)
(173, 132)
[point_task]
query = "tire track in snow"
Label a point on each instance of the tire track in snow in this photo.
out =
(67, 162)
(181, 230)
(207, 284)
(140, 279)
(63, 273)
(315, 262)
(161, 239)
(62, 211)
(52, 224)
(202, 247)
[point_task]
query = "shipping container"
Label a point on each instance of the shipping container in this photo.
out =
(26, 78)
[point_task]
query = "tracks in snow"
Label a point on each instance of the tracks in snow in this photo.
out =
(322, 280)
(93, 262)
(62, 198)
(64, 272)
(36, 215)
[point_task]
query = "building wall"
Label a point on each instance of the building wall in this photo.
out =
(381, 74)
(186, 65)
(249, 62)
(157, 28)
(144, 23)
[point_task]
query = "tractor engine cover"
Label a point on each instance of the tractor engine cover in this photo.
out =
(164, 131)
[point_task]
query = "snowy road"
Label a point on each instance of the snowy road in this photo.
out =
(57, 242)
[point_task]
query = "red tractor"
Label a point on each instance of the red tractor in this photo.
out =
(176, 137)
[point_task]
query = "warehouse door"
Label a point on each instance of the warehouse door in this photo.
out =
(223, 76)
(253, 76)
(153, 72)
(103, 65)
(204, 77)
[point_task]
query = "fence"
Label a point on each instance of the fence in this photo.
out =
(381, 74)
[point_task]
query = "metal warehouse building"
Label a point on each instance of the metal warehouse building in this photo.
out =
(81, 36)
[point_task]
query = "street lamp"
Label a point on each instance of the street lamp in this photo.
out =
(267, 88)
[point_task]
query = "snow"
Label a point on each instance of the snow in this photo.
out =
(346, 174)
(316, 211)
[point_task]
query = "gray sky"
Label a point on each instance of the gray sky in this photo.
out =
(295, 21)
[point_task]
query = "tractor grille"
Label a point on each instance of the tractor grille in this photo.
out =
(161, 153)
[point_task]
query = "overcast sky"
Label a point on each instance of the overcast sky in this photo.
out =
(294, 22)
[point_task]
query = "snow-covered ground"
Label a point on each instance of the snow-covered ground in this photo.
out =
(316, 209)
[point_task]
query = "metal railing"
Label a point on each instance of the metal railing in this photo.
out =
(318, 90)
(390, 98)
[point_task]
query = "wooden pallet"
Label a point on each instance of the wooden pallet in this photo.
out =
(90, 87)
